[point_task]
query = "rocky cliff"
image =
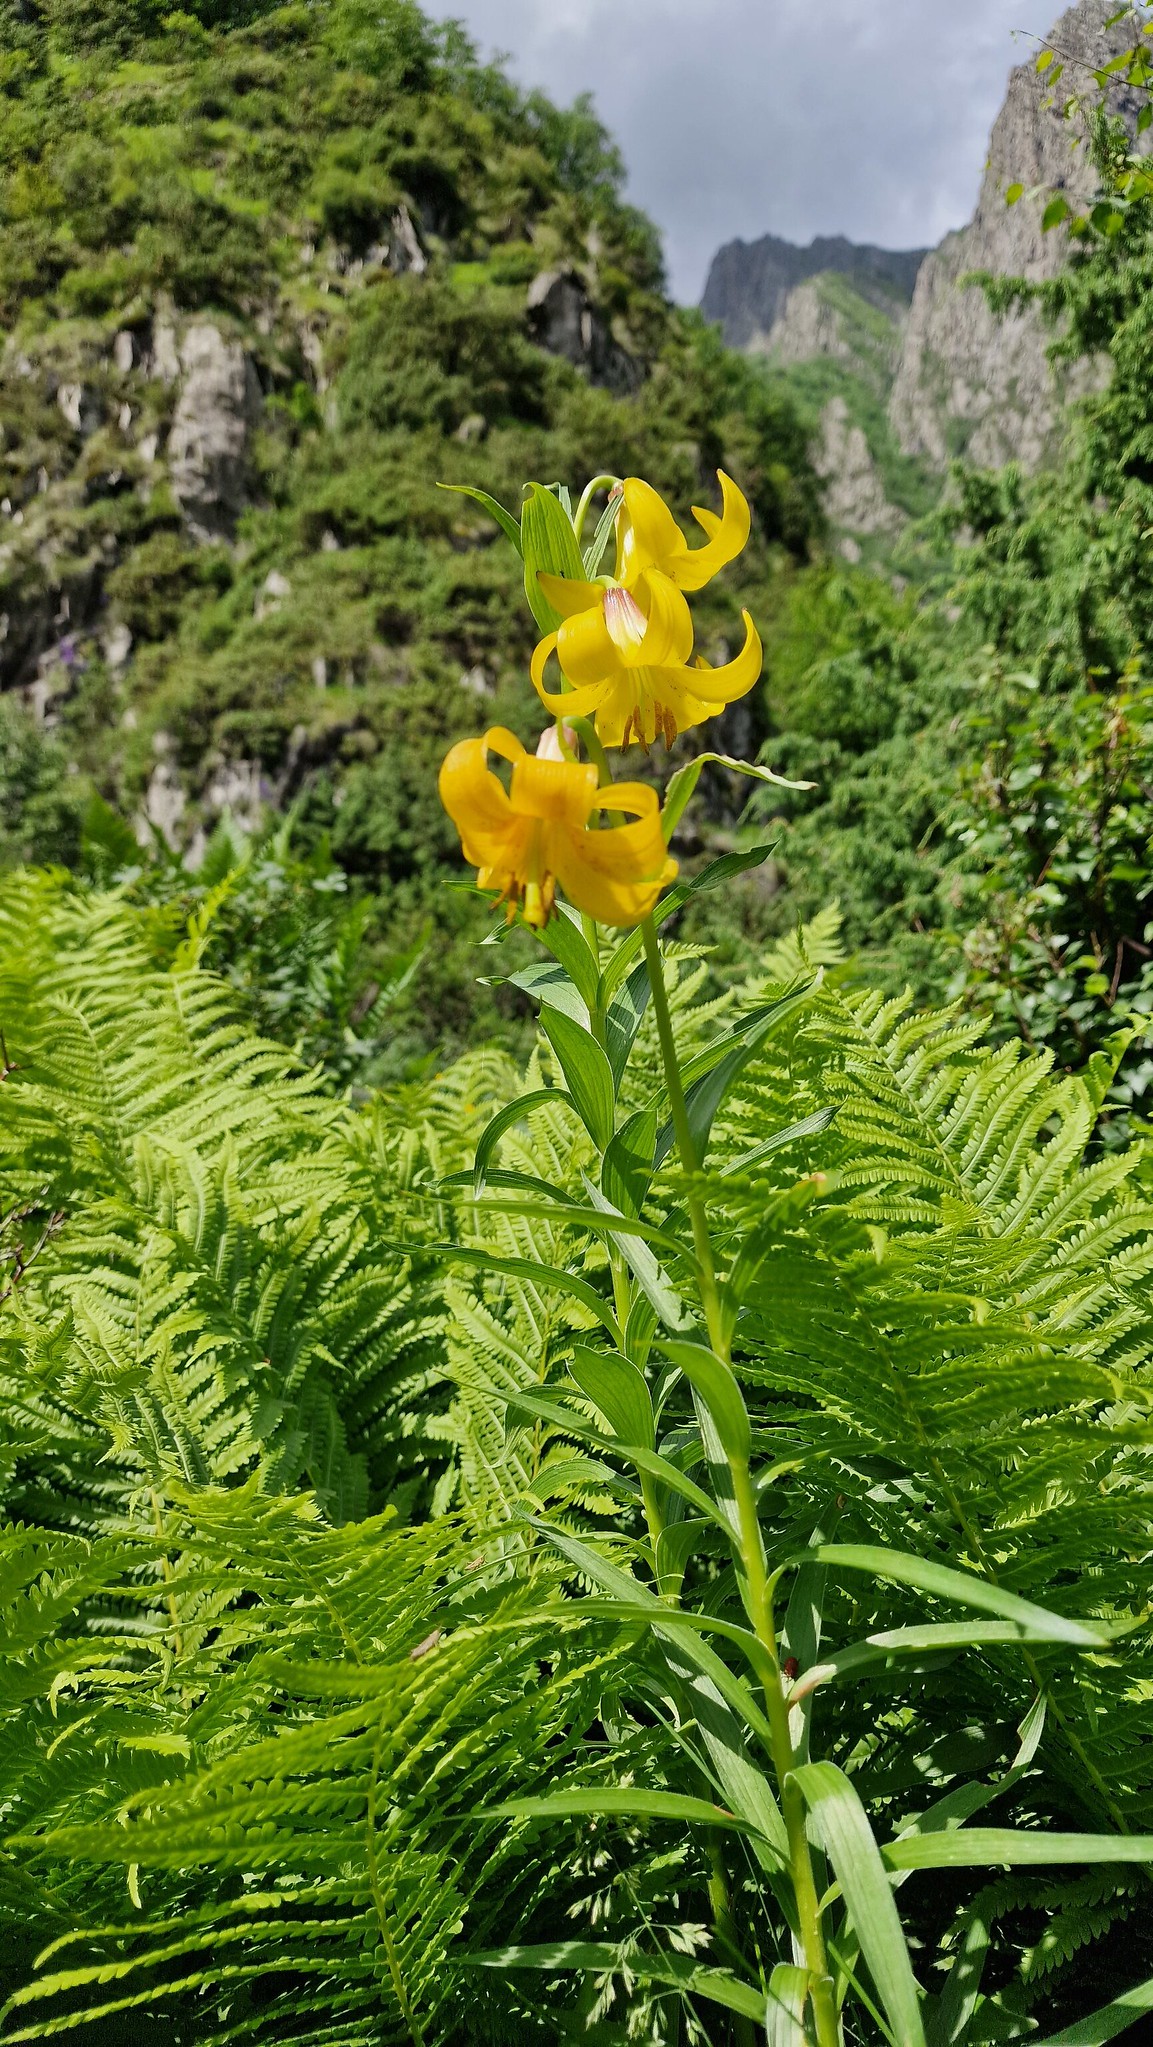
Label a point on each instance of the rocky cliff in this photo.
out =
(961, 380)
(750, 283)
(969, 382)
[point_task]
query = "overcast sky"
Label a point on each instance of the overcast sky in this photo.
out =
(797, 117)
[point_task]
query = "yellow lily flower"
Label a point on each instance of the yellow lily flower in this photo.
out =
(625, 642)
(649, 538)
(626, 654)
(525, 840)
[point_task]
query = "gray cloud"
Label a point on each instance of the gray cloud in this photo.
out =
(799, 117)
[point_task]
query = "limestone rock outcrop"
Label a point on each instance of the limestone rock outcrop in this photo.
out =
(563, 319)
(854, 495)
(963, 380)
(208, 448)
(970, 382)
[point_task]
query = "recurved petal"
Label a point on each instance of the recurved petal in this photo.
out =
(614, 876)
(585, 647)
(568, 596)
(615, 709)
(638, 797)
(649, 536)
(715, 686)
(571, 703)
(476, 801)
(726, 537)
(668, 639)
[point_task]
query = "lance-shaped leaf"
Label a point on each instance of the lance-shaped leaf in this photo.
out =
(966, 1589)
(679, 1972)
(681, 789)
(717, 1385)
(509, 526)
(1012, 1848)
(801, 1638)
(550, 984)
(809, 1126)
(562, 1417)
(636, 1602)
(610, 1802)
(1105, 2024)
(587, 1073)
(506, 1119)
(615, 1386)
(594, 553)
(649, 1275)
(550, 1276)
(788, 1996)
(842, 1826)
(932, 1639)
(569, 1214)
(565, 939)
(948, 2020)
(725, 1062)
(627, 1166)
(624, 1018)
(549, 546)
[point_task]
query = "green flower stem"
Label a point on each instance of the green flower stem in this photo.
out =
(710, 1296)
(586, 731)
(824, 2011)
(825, 2018)
(743, 2031)
(587, 496)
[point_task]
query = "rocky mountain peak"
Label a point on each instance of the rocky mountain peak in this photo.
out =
(968, 380)
(749, 283)
(955, 377)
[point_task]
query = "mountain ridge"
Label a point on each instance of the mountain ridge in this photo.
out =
(749, 283)
(964, 380)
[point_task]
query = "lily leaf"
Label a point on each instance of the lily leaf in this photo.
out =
(587, 1073)
(509, 526)
(549, 545)
(520, 1268)
(967, 1589)
(716, 1383)
(506, 1119)
(684, 782)
(842, 1826)
(680, 1972)
(619, 1391)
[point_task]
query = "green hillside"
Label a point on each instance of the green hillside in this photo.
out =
(581, 1475)
(266, 275)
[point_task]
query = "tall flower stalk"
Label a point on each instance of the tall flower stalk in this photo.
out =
(660, 1395)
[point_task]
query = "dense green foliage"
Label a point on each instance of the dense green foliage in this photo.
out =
(255, 1733)
(257, 163)
(363, 1682)
(347, 194)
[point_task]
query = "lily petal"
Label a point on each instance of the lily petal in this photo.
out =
(724, 685)
(649, 536)
(614, 876)
(571, 703)
(476, 801)
(585, 647)
(568, 596)
(669, 639)
(727, 536)
(638, 797)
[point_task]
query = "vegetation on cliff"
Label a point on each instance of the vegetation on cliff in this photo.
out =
(267, 273)
(637, 1531)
